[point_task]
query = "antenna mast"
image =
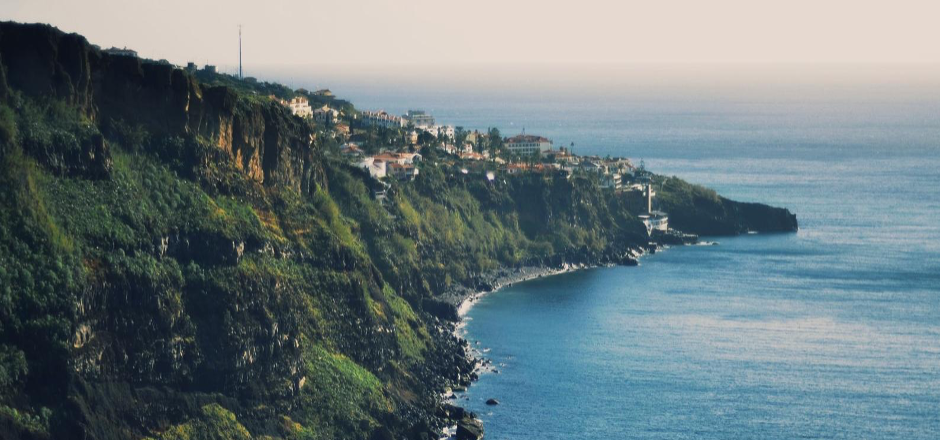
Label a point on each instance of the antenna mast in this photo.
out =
(240, 52)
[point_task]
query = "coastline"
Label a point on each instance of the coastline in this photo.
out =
(508, 278)
(466, 424)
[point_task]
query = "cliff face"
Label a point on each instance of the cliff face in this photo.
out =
(132, 298)
(264, 140)
(174, 263)
(44, 62)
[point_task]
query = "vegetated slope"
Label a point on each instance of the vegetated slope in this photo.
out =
(182, 259)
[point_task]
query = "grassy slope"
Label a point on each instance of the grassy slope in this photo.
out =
(357, 267)
(63, 235)
(312, 331)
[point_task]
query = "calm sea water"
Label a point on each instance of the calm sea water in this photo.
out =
(831, 332)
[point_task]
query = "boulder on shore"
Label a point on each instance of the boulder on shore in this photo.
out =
(456, 413)
(469, 428)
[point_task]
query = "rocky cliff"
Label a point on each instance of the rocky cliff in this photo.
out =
(184, 260)
(262, 138)
(134, 300)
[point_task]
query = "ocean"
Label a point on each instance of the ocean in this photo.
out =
(830, 332)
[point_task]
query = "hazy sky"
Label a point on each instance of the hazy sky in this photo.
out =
(295, 33)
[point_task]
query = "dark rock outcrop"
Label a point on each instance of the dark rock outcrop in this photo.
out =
(270, 146)
(469, 427)
(43, 61)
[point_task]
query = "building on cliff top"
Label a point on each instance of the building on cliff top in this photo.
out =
(299, 106)
(419, 118)
(381, 118)
(326, 114)
(525, 145)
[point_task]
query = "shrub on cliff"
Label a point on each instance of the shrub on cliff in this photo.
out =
(215, 422)
(12, 368)
(7, 127)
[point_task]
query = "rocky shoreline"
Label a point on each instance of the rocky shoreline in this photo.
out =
(465, 424)
(462, 298)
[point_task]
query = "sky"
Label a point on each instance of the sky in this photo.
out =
(448, 33)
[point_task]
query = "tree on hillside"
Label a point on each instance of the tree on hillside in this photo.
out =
(494, 142)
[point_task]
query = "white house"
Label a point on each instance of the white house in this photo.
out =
(375, 167)
(299, 106)
(420, 119)
(382, 119)
(610, 180)
(448, 148)
(403, 172)
(326, 114)
(525, 145)
(446, 131)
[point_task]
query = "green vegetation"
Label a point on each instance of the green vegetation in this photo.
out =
(700, 210)
(338, 399)
(216, 422)
(188, 280)
(261, 90)
(23, 424)
(189, 257)
(412, 337)
(191, 252)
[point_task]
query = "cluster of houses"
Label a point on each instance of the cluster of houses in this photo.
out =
(466, 152)
(300, 106)
(419, 119)
(380, 118)
(618, 174)
(396, 165)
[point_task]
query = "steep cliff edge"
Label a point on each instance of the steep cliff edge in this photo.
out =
(262, 138)
(185, 260)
